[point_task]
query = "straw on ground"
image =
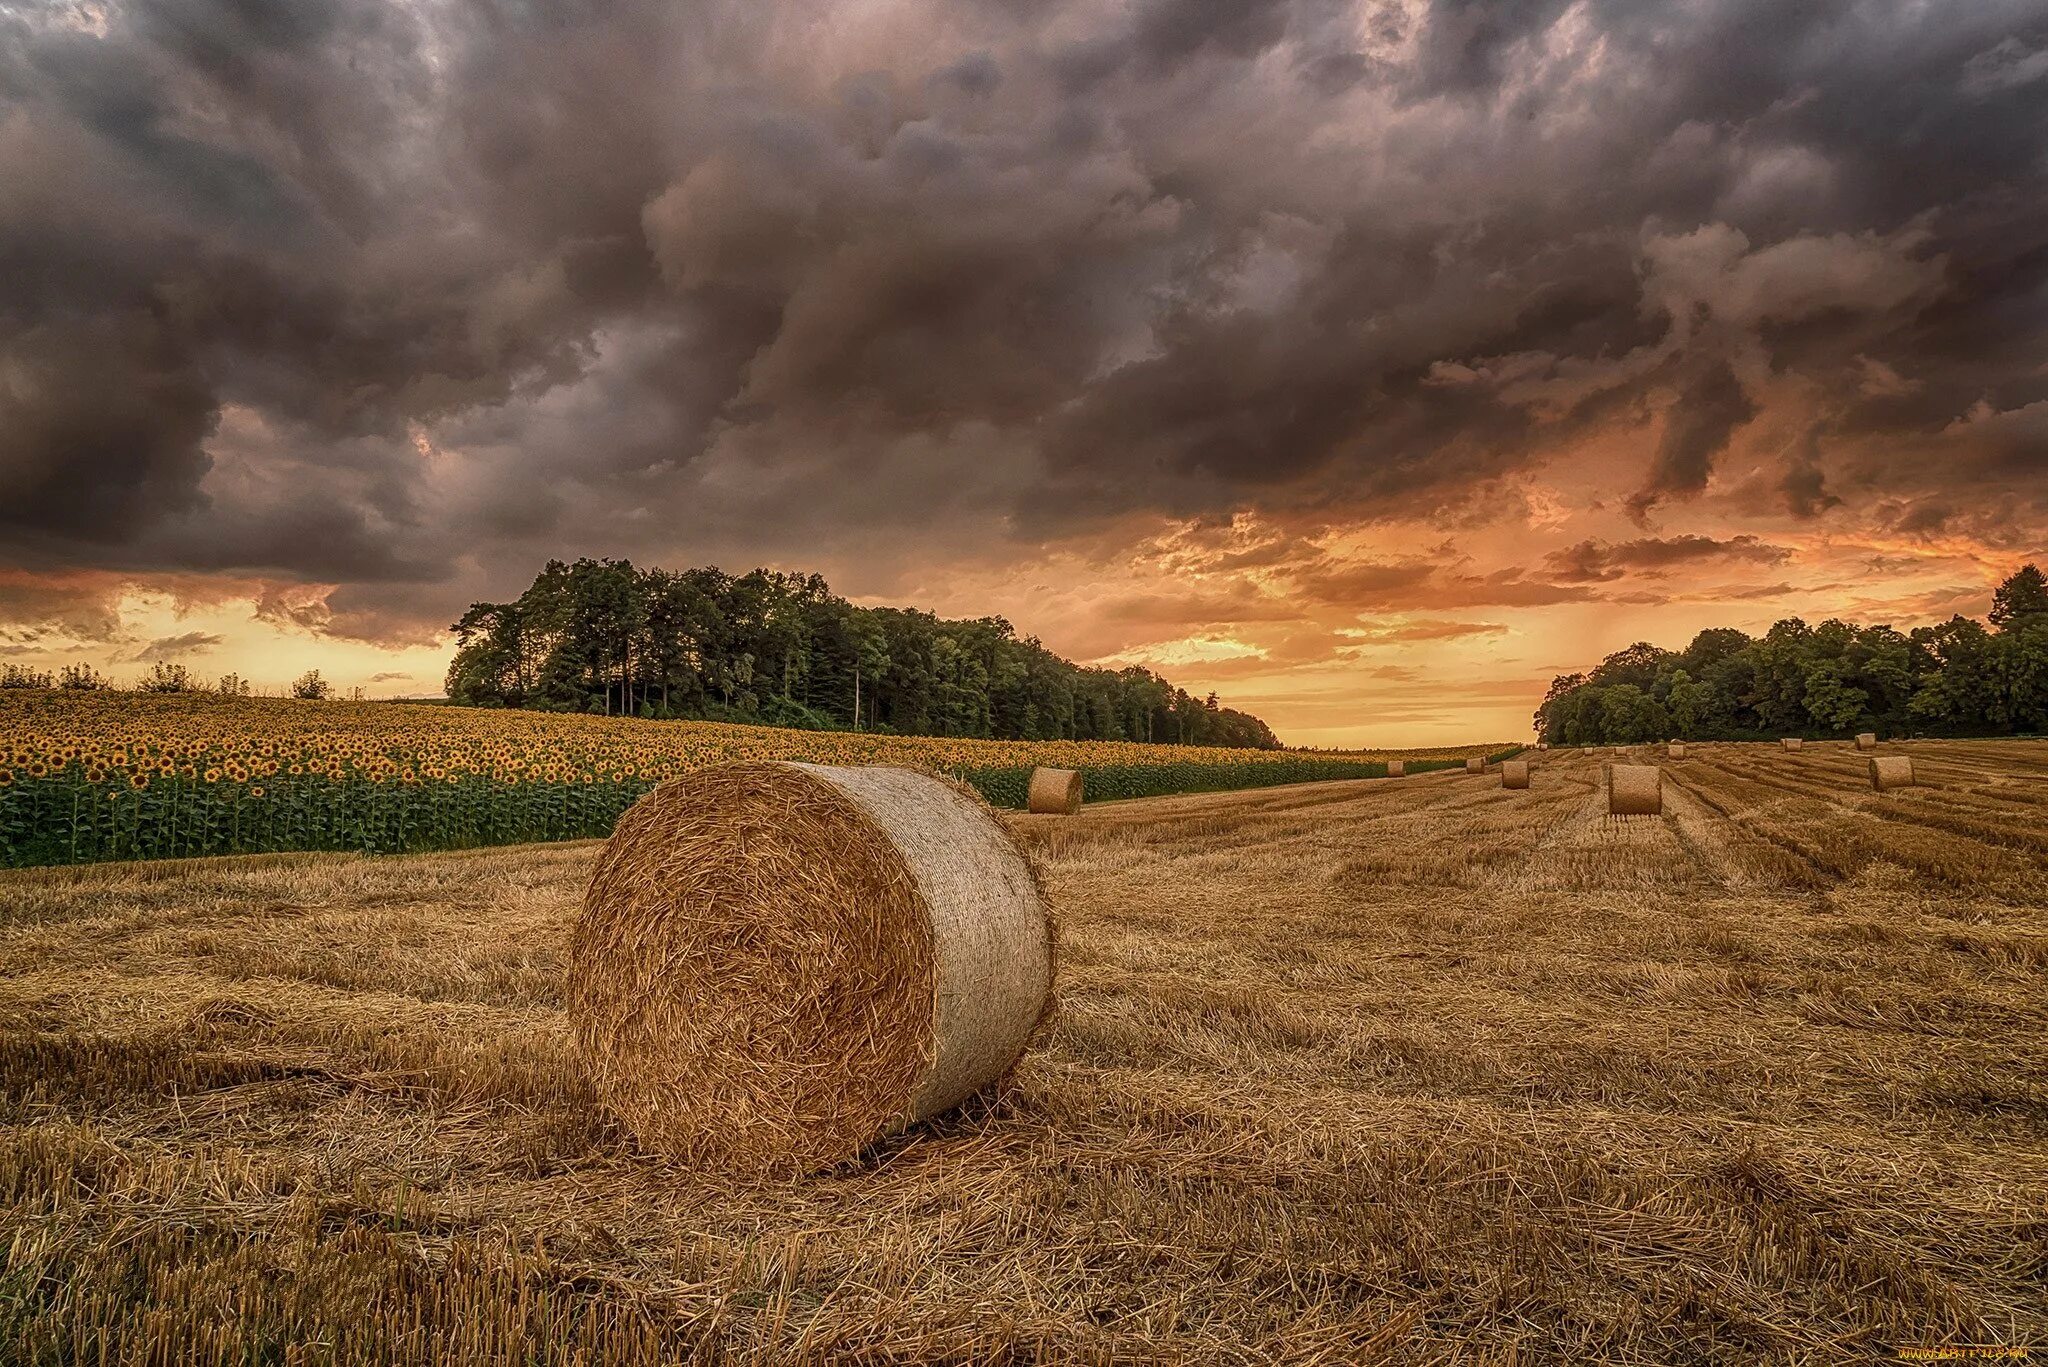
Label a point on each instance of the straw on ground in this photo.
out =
(1459, 1073)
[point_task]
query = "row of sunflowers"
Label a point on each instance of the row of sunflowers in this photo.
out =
(96, 776)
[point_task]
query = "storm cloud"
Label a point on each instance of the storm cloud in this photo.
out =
(396, 300)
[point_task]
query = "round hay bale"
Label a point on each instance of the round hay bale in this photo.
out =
(1475, 765)
(1675, 750)
(1396, 768)
(778, 964)
(1055, 791)
(1514, 773)
(1892, 771)
(1791, 742)
(1866, 740)
(1635, 790)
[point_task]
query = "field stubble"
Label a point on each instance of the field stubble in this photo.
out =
(1412, 1071)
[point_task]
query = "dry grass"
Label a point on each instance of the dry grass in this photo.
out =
(1413, 1072)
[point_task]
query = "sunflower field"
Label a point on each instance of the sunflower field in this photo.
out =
(96, 776)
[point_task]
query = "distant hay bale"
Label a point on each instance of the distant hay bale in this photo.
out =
(778, 964)
(1676, 750)
(1866, 740)
(1475, 765)
(1055, 791)
(1396, 768)
(1635, 790)
(1892, 771)
(1514, 773)
(1792, 742)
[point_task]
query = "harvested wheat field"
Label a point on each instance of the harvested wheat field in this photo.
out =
(1410, 1072)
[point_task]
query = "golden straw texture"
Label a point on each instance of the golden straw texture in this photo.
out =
(1635, 790)
(1792, 742)
(1055, 791)
(1866, 740)
(778, 964)
(1514, 773)
(1676, 750)
(1892, 771)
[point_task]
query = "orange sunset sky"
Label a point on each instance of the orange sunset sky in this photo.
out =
(1367, 363)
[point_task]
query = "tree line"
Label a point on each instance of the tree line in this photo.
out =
(784, 650)
(1961, 678)
(163, 677)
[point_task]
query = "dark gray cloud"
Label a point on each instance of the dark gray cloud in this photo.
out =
(404, 298)
(1600, 561)
(179, 646)
(35, 608)
(1697, 428)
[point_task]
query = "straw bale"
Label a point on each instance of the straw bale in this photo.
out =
(1514, 773)
(778, 964)
(1792, 742)
(1866, 740)
(1892, 771)
(1635, 790)
(1396, 768)
(1055, 791)
(1676, 750)
(1475, 765)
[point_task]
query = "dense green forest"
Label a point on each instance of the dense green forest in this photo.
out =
(1961, 678)
(784, 650)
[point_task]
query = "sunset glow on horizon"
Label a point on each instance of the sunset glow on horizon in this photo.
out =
(1439, 662)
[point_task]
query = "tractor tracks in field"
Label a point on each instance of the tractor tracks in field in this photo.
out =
(1705, 832)
(1763, 835)
(1582, 845)
(1932, 806)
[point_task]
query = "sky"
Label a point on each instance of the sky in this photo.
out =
(1366, 363)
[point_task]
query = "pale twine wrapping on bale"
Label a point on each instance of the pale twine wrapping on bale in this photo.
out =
(1514, 773)
(778, 964)
(1055, 791)
(1791, 742)
(1676, 750)
(1635, 790)
(1396, 768)
(1866, 740)
(1475, 765)
(1892, 771)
